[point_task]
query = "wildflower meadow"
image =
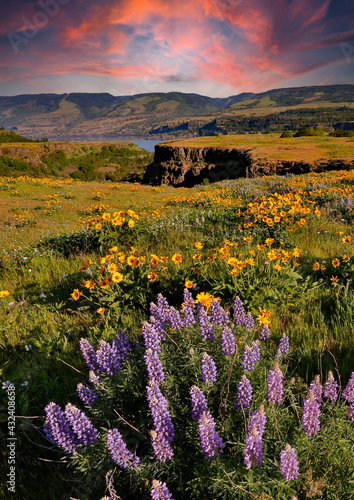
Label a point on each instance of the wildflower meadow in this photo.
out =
(172, 343)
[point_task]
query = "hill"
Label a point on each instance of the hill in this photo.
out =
(81, 116)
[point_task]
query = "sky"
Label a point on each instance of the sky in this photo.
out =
(210, 47)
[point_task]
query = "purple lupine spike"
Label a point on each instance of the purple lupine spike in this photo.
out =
(119, 451)
(208, 369)
(284, 344)
(210, 441)
(310, 415)
(331, 388)
(163, 307)
(206, 328)
(175, 319)
(107, 358)
(89, 354)
(316, 388)
(258, 420)
(239, 312)
(228, 346)
(86, 395)
(348, 392)
(265, 333)
(188, 308)
(152, 337)
(249, 321)
(159, 411)
(160, 491)
(218, 315)
(244, 394)
(122, 345)
(161, 446)
(275, 384)
(57, 428)
(154, 366)
(289, 464)
(253, 452)
(350, 412)
(93, 378)
(156, 320)
(251, 355)
(81, 425)
(199, 402)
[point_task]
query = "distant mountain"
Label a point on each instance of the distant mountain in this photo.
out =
(83, 116)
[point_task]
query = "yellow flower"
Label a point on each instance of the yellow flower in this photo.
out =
(335, 262)
(121, 258)
(235, 272)
(197, 256)
(264, 317)
(198, 245)
(323, 267)
(106, 216)
(247, 238)
(133, 249)
(153, 276)
(113, 250)
(317, 212)
(297, 252)
(118, 221)
(334, 280)
(205, 298)
(154, 260)
(316, 266)
(277, 218)
(345, 258)
(4, 293)
(131, 223)
(250, 262)
(232, 261)
(272, 255)
(133, 261)
(189, 284)
(260, 247)
(347, 239)
(89, 284)
(98, 226)
(176, 258)
(113, 268)
(277, 267)
(76, 294)
(268, 242)
(101, 310)
(117, 277)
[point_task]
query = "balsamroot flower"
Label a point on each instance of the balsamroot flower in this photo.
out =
(188, 308)
(275, 384)
(208, 369)
(251, 355)
(289, 464)
(244, 394)
(119, 451)
(310, 415)
(199, 402)
(86, 395)
(160, 491)
(331, 388)
(348, 392)
(316, 388)
(57, 429)
(154, 366)
(210, 441)
(239, 312)
(218, 315)
(265, 333)
(81, 425)
(253, 452)
(228, 346)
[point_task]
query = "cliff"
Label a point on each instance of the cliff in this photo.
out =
(187, 162)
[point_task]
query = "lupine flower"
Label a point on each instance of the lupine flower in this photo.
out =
(253, 452)
(218, 315)
(265, 333)
(152, 337)
(228, 346)
(331, 386)
(275, 384)
(119, 451)
(107, 358)
(188, 308)
(81, 425)
(289, 464)
(57, 428)
(250, 356)
(155, 319)
(310, 415)
(159, 411)
(93, 378)
(89, 354)
(208, 369)
(160, 491)
(199, 402)
(316, 388)
(163, 307)
(162, 448)
(86, 395)
(175, 319)
(210, 441)
(122, 345)
(249, 321)
(284, 344)
(154, 366)
(350, 412)
(206, 328)
(258, 420)
(244, 394)
(239, 312)
(348, 392)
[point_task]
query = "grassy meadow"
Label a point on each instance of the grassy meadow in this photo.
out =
(82, 259)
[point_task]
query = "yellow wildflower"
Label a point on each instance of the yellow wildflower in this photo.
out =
(189, 284)
(176, 258)
(131, 223)
(335, 262)
(117, 277)
(205, 298)
(316, 266)
(76, 294)
(100, 310)
(4, 293)
(198, 245)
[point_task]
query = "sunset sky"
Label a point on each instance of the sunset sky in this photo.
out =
(211, 47)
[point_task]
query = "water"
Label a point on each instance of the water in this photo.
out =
(148, 144)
